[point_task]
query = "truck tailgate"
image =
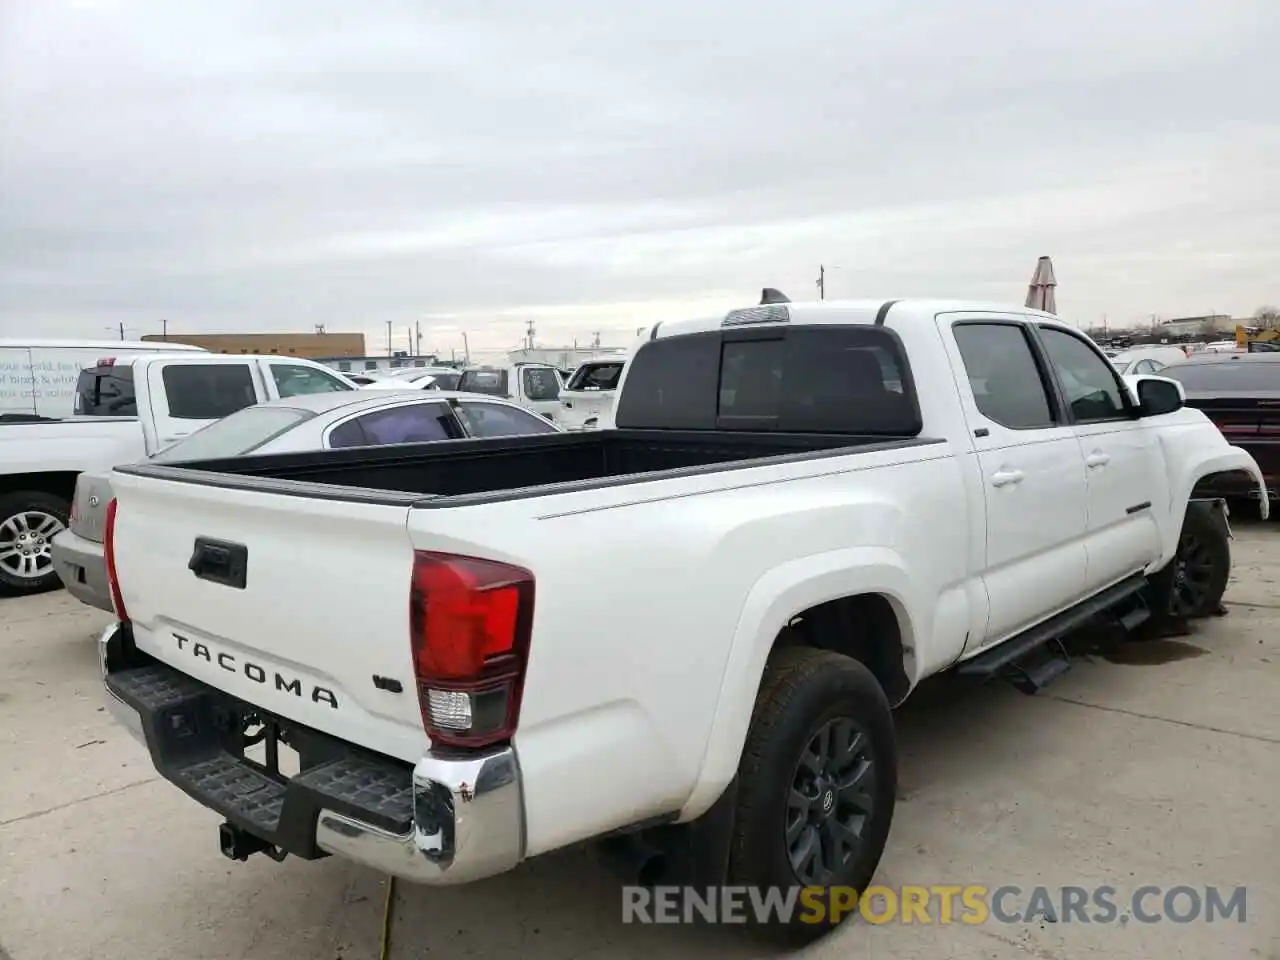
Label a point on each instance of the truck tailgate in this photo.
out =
(293, 604)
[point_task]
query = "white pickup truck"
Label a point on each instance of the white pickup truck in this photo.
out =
(125, 409)
(395, 655)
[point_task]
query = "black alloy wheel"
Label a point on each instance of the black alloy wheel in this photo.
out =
(831, 800)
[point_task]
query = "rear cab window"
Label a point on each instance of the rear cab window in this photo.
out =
(106, 390)
(240, 433)
(487, 381)
(818, 379)
(596, 376)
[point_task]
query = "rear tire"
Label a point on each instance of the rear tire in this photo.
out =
(29, 520)
(818, 778)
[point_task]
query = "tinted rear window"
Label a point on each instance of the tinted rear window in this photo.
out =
(445, 381)
(850, 380)
(1230, 375)
(492, 382)
(106, 392)
(207, 391)
(596, 376)
(233, 436)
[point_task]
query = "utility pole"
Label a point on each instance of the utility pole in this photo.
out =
(595, 341)
(121, 329)
(417, 341)
(164, 330)
(822, 282)
(466, 350)
(388, 338)
(531, 334)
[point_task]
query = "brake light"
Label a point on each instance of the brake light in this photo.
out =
(469, 626)
(109, 555)
(106, 361)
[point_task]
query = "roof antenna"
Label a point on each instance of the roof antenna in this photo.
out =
(770, 295)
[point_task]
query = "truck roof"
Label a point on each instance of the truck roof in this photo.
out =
(842, 312)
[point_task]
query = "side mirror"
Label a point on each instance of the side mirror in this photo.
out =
(1158, 395)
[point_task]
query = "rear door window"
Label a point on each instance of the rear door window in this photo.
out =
(540, 383)
(411, 423)
(1003, 375)
(207, 391)
(496, 420)
(293, 380)
(106, 391)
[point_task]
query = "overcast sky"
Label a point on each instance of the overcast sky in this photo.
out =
(239, 166)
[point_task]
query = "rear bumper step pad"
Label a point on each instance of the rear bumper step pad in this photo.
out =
(187, 727)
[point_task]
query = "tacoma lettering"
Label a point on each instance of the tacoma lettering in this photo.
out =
(257, 673)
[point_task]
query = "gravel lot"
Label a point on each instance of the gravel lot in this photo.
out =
(1161, 766)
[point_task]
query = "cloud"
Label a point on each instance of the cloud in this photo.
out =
(271, 165)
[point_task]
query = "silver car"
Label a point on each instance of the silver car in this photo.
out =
(310, 422)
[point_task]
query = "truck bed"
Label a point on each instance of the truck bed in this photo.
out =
(474, 471)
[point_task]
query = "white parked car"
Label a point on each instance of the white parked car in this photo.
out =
(682, 637)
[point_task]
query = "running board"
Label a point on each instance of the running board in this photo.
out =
(1010, 658)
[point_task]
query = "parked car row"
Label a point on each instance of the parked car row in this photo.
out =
(328, 421)
(122, 409)
(814, 506)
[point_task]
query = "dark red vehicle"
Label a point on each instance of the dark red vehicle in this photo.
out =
(1241, 394)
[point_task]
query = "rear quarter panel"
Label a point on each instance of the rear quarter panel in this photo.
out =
(656, 604)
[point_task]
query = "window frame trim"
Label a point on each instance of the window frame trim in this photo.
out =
(1059, 412)
(1131, 410)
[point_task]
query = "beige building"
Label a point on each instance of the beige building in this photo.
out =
(313, 345)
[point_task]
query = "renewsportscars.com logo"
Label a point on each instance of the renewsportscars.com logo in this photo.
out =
(938, 904)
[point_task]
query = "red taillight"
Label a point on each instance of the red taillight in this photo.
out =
(109, 555)
(469, 625)
(106, 361)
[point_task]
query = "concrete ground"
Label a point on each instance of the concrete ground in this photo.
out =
(1162, 768)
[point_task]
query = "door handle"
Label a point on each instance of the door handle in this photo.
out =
(1098, 459)
(1003, 478)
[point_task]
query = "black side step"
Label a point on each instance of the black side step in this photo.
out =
(1004, 657)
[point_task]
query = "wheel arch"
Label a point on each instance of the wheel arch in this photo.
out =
(860, 585)
(60, 483)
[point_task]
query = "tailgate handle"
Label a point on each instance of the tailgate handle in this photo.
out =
(220, 562)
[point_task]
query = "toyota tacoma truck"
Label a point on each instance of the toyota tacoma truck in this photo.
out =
(393, 655)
